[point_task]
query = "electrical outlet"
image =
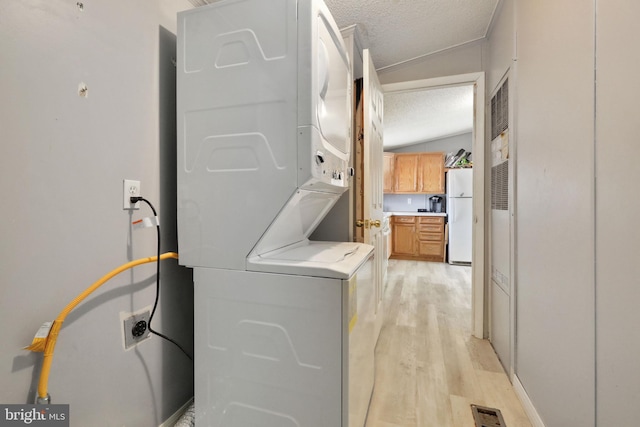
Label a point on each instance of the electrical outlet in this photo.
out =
(408, 200)
(130, 188)
(135, 327)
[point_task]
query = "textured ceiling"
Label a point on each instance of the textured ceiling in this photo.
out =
(396, 31)
(425, 115)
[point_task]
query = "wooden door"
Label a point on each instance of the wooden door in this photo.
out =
(373, 171)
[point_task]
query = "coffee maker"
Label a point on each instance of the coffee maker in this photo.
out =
(435, 204)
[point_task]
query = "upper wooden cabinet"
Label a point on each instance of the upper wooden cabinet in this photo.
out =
(431, 173)
(388, 167)
(406, 173)
(416, 173)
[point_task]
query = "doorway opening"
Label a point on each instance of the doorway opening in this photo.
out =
(476, 80)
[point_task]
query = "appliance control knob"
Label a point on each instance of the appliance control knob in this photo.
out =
(319, 157)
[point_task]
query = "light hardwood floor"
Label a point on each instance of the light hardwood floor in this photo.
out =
(429, 368)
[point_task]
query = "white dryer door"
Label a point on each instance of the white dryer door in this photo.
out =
(334, 88)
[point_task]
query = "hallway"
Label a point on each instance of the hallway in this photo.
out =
(429, 369)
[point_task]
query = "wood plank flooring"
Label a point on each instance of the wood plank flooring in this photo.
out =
(429, 368)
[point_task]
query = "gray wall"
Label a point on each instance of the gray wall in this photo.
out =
(499, 51)
(577, 317)
(617, 213)
(459, 60)
(64, 158)
(555, 216)
(449, 144)
(576, 233)
(498, 61)
(410, 202)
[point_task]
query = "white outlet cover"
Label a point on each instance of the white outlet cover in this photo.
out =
(127, 320)
(130, 188)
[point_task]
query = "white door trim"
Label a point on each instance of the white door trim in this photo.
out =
(478, 281)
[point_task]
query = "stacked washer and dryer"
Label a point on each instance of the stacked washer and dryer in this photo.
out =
(284, 325)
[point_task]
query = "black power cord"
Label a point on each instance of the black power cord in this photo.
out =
(155, 304)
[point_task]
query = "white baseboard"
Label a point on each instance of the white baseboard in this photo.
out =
(173, 419)
(527, 405)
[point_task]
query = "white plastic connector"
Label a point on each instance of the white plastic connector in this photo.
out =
(131, 188)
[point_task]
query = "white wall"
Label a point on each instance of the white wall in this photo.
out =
(64, 158)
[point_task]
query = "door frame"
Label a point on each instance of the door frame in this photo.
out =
(478, 279)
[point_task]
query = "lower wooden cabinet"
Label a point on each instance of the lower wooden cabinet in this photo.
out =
(418, 237)
(403, 232)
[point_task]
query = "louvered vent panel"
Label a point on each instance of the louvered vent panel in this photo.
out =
(500, 110)
(500, 186)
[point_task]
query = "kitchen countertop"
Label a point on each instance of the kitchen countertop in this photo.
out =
(416, 213)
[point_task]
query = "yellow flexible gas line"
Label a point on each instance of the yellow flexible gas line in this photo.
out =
(50, 342)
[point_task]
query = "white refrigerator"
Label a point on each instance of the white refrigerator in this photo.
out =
(460, 215)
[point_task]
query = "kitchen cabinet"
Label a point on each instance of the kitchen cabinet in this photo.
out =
(405, 173)
(403, 232)
(431, 237)
(388, 168)
(418, 238)
(431, 173)
(417, 173)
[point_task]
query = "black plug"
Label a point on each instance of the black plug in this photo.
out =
(135, 199)
(139, 329)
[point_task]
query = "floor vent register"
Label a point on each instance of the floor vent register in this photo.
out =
(487, 417)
